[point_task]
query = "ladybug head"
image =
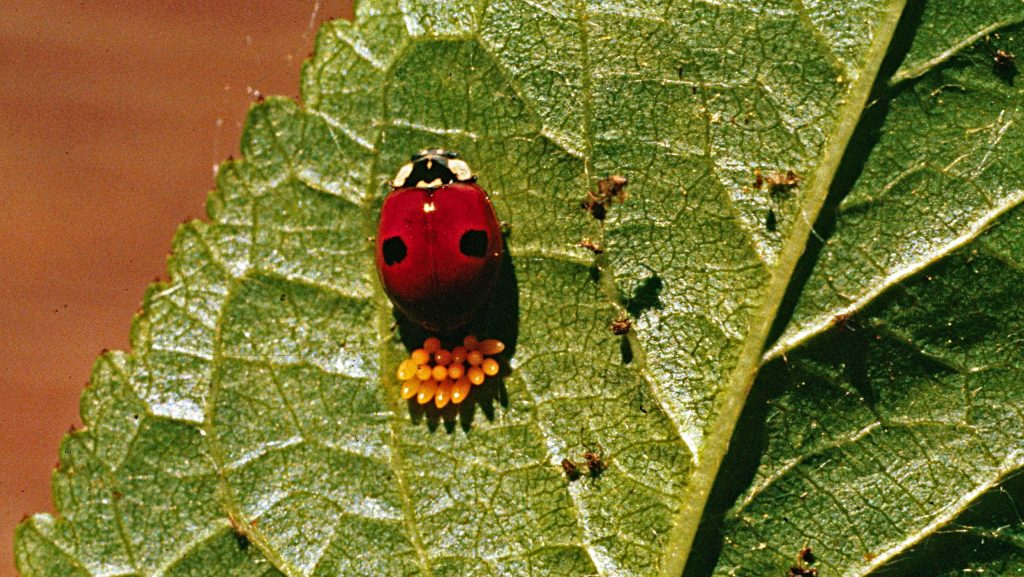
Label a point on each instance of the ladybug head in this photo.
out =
(432, 169)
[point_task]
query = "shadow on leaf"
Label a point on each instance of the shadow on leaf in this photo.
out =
(646, 296)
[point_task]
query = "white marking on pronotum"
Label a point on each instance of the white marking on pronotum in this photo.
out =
(403, 173)
(429, 207)
(460, 169)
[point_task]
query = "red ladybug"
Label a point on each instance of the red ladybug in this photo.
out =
(439, 244)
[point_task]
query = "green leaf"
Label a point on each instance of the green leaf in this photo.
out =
(945, 29)
(944, 167)
(883, 433)
(990, 536)
(873, 442)
(256, 427)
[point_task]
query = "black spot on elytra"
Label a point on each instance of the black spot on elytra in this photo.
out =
(394, 250)
(474, 243)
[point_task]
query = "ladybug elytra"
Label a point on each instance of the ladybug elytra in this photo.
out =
(439, 243)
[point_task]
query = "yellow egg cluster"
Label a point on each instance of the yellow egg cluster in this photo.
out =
(442, 375)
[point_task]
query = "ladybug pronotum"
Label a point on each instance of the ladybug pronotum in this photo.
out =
(439, 244)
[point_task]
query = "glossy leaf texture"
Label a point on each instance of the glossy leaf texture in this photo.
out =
(941, 163)
(880, 437)
(886, 430)
(256, 428)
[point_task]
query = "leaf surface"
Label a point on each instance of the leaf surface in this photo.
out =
(256, 426)
(945, 28)
(885, 432)
(942, 163)
(889, 431)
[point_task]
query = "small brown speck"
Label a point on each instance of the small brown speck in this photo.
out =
(1004, 59)
(620, 326)
(608, 189)
(572, 472)
(240, 532)
(840, 321)
(782, 181)
(806, 555)
(804, 559)
(591, 246)
(595, 463)
(613, 187)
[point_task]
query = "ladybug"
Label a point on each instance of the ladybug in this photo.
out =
(439, 243)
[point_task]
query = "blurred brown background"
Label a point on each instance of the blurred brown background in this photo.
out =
(112, 116)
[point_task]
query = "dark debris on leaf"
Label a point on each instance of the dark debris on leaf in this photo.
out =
(620, 326)
(778, 181)
(771, 221)
(612, 188)
(591, 246)
(572, 472)
(646, 296)
(804, 559)
(1004, 64)
(596, 464)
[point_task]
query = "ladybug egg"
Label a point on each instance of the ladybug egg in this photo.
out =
(432, 345)
(490, 367)
(420, 357)
(424, 372)
(476, 375)
(444, 393)
(439, 372)
(491, 347)
(460, 389)
(426, 392)
(410, 388)
(439, 244)
(456, 371)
